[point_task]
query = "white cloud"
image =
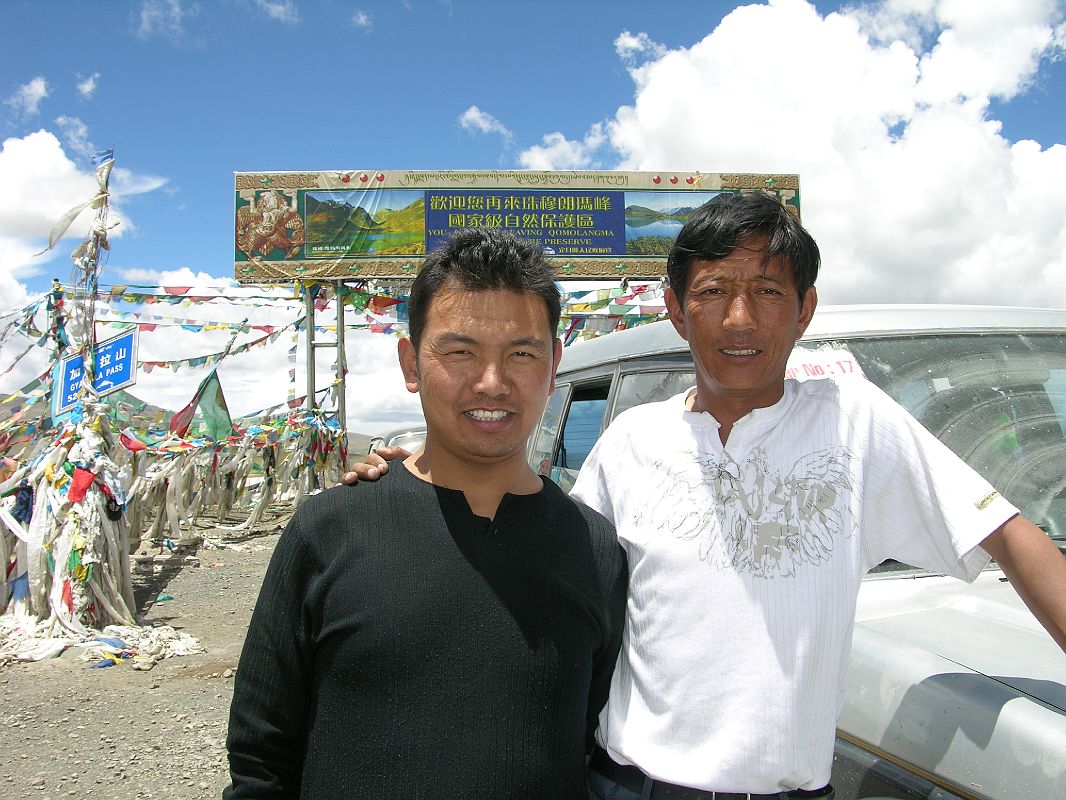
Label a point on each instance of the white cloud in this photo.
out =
(378, 401)
(26, 100)
(912, 22)
(284, 11)
(38, 184)
(183, 276)
(87, 86)
(15, 253)
(37, 172)
(162, 18)
(986, 51)
(76, 136)
(258, 378)
(478, 121)
(907, 181)
(362, 19)
(125, 183)
(558, 152)
(253, 380)
(633, 47)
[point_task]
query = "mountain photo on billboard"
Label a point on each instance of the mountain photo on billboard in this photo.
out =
(365, 223)
(653, 219)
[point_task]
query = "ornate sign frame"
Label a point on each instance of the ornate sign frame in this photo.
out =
(360, 224)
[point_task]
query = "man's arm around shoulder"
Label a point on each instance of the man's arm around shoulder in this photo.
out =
(374, 465)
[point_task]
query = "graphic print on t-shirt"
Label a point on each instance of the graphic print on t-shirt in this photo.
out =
(752, 517)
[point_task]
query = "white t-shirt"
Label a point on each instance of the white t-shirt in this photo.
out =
(745, 563)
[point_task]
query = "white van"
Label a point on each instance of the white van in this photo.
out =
(954, 690)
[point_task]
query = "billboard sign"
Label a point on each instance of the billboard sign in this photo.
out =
(116, 368)
(373, 224)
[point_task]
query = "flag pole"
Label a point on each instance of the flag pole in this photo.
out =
(86, 276)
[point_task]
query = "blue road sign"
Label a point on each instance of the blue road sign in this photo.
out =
(116, 368)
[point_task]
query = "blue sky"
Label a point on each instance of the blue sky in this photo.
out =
(930, 135)
(192, 96)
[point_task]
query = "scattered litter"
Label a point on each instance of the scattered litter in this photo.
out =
(112, 641)
(164, 597)
(28, 640)
(110, 659)
(160, 641)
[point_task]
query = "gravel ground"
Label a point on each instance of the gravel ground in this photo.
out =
(71, 731)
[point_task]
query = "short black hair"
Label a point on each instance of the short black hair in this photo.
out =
(478, 260)
(723, 224)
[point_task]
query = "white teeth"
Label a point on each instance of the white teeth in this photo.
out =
(740, 352)
(487, 416)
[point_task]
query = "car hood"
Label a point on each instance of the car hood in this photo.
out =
(984, 627)
(960, 682)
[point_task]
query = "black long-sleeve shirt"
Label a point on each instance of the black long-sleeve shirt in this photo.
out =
(403, 647)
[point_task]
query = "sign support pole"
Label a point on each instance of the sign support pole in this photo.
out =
(309, 355)
(342, 359)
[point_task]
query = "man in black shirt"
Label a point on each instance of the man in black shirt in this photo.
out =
(451, 630)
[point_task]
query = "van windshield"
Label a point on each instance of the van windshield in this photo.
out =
(998, 400)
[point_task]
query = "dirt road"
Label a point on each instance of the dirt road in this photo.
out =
(72, 731)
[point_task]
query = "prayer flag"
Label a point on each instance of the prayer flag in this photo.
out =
(131, 443)
(211, 403)
(20, 587)
(103, 155)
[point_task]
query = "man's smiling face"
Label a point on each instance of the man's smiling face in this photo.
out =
(741, 315)
(484, 368)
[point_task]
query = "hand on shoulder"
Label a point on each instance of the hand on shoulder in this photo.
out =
(373, 466)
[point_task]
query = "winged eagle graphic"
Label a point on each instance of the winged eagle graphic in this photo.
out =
(757, 520)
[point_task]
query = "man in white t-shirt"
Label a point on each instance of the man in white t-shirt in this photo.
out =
(750, 521)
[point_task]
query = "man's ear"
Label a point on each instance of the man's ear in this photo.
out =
(677, 314)
(807, 307)
(405, 350)
(557, 355)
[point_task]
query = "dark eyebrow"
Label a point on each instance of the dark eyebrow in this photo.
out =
(529, 341)
(454, 338)
(449, 337)
(722, 276)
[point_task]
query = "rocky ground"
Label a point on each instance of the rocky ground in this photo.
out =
(72, 731)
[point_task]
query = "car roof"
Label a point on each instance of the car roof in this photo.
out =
(658, 338)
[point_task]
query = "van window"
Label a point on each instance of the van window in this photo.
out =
(998, 400)
(649, 387)
(543, 445)
(584, 421)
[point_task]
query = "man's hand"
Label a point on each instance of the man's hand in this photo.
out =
(374, 465)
